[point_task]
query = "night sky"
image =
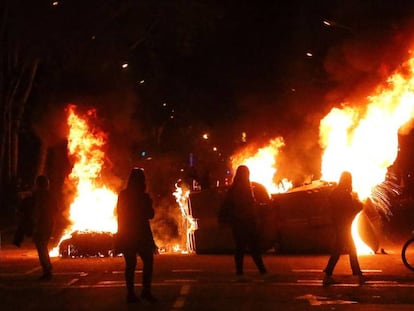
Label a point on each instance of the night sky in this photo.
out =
(267, 68)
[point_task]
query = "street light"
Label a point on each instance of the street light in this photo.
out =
(331, 23)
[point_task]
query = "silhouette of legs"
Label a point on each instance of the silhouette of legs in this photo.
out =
(333, 260)
(243, 239)
(44, 259)
(147, 257)
(353, 260)
(130, 265)
(240, 242)
(257, 258)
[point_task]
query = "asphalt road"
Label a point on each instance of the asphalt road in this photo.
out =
(205, 282)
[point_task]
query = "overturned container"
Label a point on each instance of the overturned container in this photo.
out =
(297, 221)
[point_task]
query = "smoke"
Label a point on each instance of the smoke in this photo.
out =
(360, 64)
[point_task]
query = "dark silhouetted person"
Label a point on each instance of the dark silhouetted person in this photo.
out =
(239, 209)
(134, 209)
(24, 220)
(344, 209)
(44, 213)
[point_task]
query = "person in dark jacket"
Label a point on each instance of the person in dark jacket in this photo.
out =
(134, 210)
(344, 209)
(44, 213)
(240, 209)
(24, 214)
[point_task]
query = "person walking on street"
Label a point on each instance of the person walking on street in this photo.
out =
(44, 213)
(239, 208)
(134, 210)
(344, 209)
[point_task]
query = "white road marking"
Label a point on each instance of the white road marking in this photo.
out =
(319, 300)
(309, 283)
(181, 281)
(39, 268)
(36, 269)
(71, 282)
(180, 301)
(71, 273)
(111, 282)
(319, 270)
(306, 270)
(122, 272)
(33, 270)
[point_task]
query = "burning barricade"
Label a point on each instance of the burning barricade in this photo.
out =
(297, 221)
(361, 138)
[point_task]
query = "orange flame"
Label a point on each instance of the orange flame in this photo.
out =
(93, 206)
(364, 140)
(262, 165)
(189, 223)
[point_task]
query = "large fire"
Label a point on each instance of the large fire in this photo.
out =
(262, 165)
(93, 205)
(361, 139)
(92, 209)
(364, 139)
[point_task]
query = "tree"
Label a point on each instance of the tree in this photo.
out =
(18, 67)
(54, 52)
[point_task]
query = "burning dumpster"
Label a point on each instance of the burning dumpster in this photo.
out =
(211, 237)
(305, 221)
(297, 221)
